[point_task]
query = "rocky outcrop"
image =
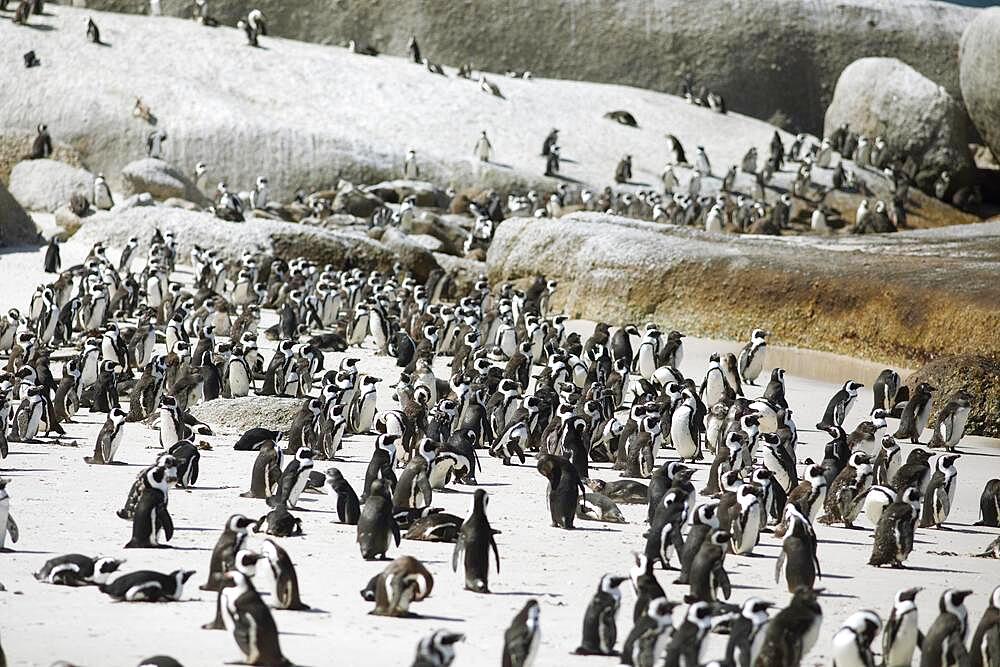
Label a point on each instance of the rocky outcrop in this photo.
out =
(15, 145)
(341, 248)
(917, 117)
(238, 415)
(740, 49)
(924, 297)
(979, 375)
(45, 185)
(16, 226)
(160, 179)
(980, 76)
(424, 194)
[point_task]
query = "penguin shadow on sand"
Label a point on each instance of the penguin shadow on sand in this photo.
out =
(41, 27)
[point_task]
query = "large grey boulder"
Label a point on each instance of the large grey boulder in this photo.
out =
(160, 179)
(341, 248)
(621, 270)
(762, 55)
(16, 226)
(980, 75)
(238, 415)
(426, 194)
(886, 97)
(45, 185)
(411, 254)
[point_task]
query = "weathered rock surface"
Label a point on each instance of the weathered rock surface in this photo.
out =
(980, 77)
(341, 248)
(930, 292)
(15, 145)
(425, 194)
(160, 179)
(887, 97)
(16, 226)
(977, 374)
(237, 415)
(45, 185)
(740, 49)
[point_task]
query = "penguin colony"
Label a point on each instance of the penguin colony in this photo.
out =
(747, 198)
(605, 420)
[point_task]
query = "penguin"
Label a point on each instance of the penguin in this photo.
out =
(840, 405)
(251, 623)
(885, 389)
(93, 33)
(664, 532)
(381, 464)
(363, 407)
(348, 506)
(522, 637)
(951, 421)
(846, 495)
(876, 500)
(293, 480)
(286, 583)
(902, 635)
(376, 524)
(255, 438)
(266, 472)
(798, 552)
(747, 631)
(745, 526)
(53, 261)
(685, 430)
(852, 642)
(989, 505)
(792, 632)
(77, 570)
(103, 200)
(944, 642)
(752, 357)
(232, 539)
(147, 586)
(916, 414)
(688, 640)
(151, 520)
(708, 573)
(109, 438)
(564, 489)
(984, 651)
(600, 631)
(887, 461)
(404, 581)
(7, 524)
(648, 638)
(475, 539)
(438, 648)
(893, 540)
(915, 473)
(434, 527)
(413, 489)
(939, 496)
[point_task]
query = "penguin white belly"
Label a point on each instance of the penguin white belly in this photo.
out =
(647, 361)
(168, 430)
(116, 442)
(4, 514)
(810, 636)
(845, 650)
(755, 363)
(680, 433)
(715, 388)
(876, 501)
(954, 435)
(141, 592)
(902, 649)
(34, 422)
(365, 415)
(360, 330)
(378, 331)
(922, 417)
(239, 381)
(508, 341)
(768, 417)
(298, 487)
(750, 521)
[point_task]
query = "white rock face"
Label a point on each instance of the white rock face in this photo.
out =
(45, 185)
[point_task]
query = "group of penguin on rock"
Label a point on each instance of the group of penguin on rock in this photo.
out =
(521, 385)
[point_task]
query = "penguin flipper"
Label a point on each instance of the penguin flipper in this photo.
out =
(395, 529)
(12, 529)
(459, 547)
(496, 552)
(777, 566)
(723, 578)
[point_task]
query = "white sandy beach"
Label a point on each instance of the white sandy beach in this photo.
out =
(63, 505)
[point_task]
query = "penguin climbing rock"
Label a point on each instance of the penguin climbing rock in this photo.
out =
(600, 630)
(475, 539)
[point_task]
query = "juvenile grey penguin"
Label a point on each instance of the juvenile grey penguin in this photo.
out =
(348, 506)
(600, 629)
(376, 524)
(944, 642)
(476, 538)
(792, 632)
(916, 414)
(902, 635)
(522, 637)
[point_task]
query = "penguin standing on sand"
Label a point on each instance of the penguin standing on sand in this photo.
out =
(522, 637)
(688, 640)
(708, 574)
(746, 632)
(564, 488)
(792, 632)
(234, 535)
(852, 642)
(286, 583)
(151, 522)
(939, 497)
(53, 261)
(752, 356)
(109, 438)
(886, 387)
(7, 524)
(266, 471)
(293, 479)
(600, 630)
(251, 622)
(840, 405)
(902, 631)
(798, 552)
(476, 539)
(944, 643)
(952, 420)
(916, 414)
(348, 506)
(376, 524)
(989, 505)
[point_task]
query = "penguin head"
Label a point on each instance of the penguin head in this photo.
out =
(947, 461)
(104, 567)
(908, 594)
(609, 584)
(865, 623)
(238, 523)
(246, 562)
(952, 601)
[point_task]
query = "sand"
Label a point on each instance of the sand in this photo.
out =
(63, 505)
